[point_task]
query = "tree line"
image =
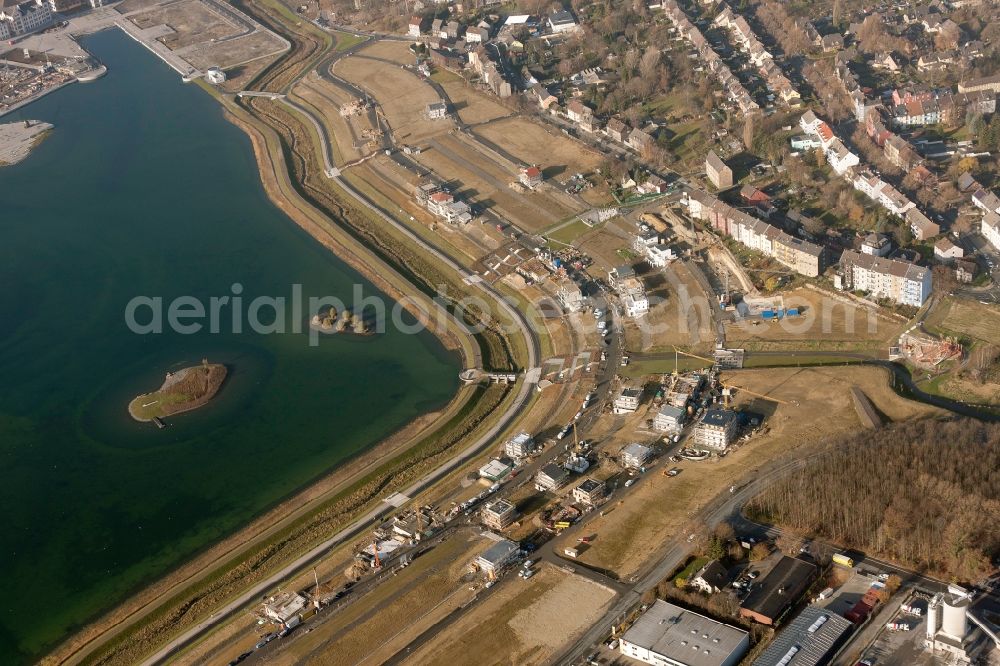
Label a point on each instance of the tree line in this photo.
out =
(925, 494)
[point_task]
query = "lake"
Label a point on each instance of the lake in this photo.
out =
(144, 190)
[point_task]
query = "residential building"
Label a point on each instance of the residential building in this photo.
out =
(23, 18)
(437, 110)
(545, 98)
(669, 419)
(710, 579)
(719, 174)
(813, 638)
(945, 250)
(772, 595)
(530, 177)
(498, 557)
(986, 200)
(498, 515)
(898, 281)
(577, 111)
(965, 270)
(415, 26)
(639, 140)
(659, 256)
(495, 470)
(990, 228)
(590, 492)
(570, 295)
(832, 42)
(987, 83)
(636, 303)
(666, 634)
(839, 157)
(717, 429)
(617, 130)
(920, 225)
(477, 35)
(551, 477)
(562, 21)
(802, 256)
(876, 245)
(520, 445)
(627, 401)
(635, 455)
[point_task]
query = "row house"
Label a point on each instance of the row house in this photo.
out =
(946, 108)
(896, 203)
(748, 42)
(991, 229)
(898, 281)
(799, 255)
(837, 154)
(986, 200)
(582, 115)
(734, 89)
(23, 18)
(983, 84)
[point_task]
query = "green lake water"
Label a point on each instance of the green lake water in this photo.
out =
(144, 189)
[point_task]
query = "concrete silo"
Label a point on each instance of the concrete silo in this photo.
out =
(955, 621)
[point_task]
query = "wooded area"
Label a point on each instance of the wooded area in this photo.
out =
(926, 494)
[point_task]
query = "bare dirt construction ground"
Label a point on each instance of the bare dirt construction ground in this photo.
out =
(471, 105)
(532, 143)
(403, 96)
(521, 623)
(825, 320)
(602, 243)
(391, 50)
(192, 21)
(658, 508)
(346, 131)
(127, 6)
(482, 180)
(234, 52)
(965, 318)
(376, 626)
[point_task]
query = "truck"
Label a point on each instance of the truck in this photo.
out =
(571, 552)
(843, 560)
(825, 594)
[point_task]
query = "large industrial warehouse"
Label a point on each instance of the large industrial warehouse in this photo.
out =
(669, 634)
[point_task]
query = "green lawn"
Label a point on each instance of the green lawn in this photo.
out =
(566, 235)
(346, 40)
(691, 569)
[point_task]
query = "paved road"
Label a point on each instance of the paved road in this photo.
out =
(381, 511)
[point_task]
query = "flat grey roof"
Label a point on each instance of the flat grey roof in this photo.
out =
(499, 551)
(686, 637)
(815, 633)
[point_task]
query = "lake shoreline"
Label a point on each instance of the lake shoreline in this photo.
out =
(327, 485)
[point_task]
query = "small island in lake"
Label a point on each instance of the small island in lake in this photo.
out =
(182, 391)
(330, 322)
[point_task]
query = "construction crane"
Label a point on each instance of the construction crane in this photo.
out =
(700, 358)
(378, 562)
(315, 598)
(733, 387)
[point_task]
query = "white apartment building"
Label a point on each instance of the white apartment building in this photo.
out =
(991, 229)
(520, 445)
(898, 281)
(716, 429)
(24, 18)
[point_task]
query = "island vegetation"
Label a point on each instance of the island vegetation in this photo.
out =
(331, 321)
(182, 391)
(925, 494)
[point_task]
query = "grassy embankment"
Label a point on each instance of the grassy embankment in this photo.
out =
(340, 227)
